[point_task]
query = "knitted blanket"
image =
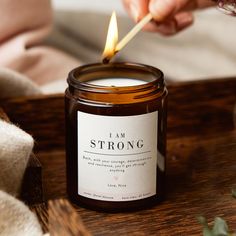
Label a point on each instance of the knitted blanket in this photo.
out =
(15, 149)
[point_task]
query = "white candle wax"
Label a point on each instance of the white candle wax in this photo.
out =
(117, 82)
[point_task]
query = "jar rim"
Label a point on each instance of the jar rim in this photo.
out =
(74, 77)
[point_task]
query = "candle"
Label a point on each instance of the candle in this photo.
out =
(115, 136)
(117, 82)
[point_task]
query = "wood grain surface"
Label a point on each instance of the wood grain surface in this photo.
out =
(201, 160)
(64, 220)
(3, 115)
(41, 211)
(32, 186)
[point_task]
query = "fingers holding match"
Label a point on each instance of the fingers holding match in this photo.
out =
(169, 16)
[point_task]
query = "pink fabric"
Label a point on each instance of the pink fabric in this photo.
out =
(23, 26)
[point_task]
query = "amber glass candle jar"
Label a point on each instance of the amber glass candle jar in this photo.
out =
(115, 136)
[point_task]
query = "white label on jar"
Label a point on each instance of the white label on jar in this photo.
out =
(117, 156)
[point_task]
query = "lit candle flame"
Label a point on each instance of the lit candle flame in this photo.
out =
(112, 39)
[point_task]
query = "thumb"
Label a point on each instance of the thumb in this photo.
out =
(164, 9)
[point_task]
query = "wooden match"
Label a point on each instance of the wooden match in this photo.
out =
(111, 48)
(133, 32)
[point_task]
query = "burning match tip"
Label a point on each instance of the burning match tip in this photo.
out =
(106, 60)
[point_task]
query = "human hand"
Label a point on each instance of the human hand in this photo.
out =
(169, 16)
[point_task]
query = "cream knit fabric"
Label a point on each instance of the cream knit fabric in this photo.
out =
(16, 219)
(15, 149)
(14, 84)
(15, 144)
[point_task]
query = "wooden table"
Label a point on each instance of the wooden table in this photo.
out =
(201, 160)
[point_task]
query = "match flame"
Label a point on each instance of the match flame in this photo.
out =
(112, 39)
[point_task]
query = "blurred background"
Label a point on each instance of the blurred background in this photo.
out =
(101, 5)
(29, 45)
(205, 50)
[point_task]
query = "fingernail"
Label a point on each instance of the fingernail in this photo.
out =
(160, 9)
(134, 9)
